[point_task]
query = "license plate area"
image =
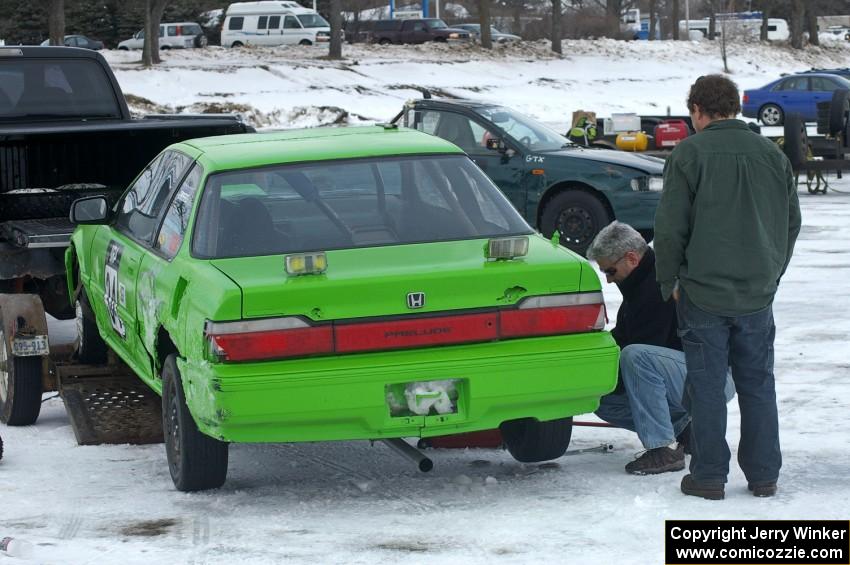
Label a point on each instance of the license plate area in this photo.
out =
(424, 398)
(30, 346)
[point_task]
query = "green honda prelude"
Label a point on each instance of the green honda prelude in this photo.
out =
(336, 284)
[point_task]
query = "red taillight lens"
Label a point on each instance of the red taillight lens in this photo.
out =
(279, 338)
(261, 340)
(746, 98)
(417, 332)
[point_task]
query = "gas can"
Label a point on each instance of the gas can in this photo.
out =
(632, 141)
(670, 132)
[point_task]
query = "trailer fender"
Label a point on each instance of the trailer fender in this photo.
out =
(22, 317)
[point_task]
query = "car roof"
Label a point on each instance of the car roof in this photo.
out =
(52, 51)
(452, 103)
(315, 144)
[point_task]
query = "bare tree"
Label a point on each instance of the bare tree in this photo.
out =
(675, 17)
(56, 21)
(613, 10)
(812, 21)
(556, 26)
(653, 18)
(725, 30)
(484, 20)
(335, 48)
(797, 11)
(153, 17)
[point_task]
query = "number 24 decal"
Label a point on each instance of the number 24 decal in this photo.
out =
(115, 293)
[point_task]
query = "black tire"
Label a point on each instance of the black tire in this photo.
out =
(384, 41)
(122, 48)
(89, 346)
(20, 386)
(577, 215)
(529, 440)
(200, 41)
(771, 115)
(796, 141)
(195, 460)
(823, 117)
(839, 111)
(305, 42)
(164, 48)
(236, 44)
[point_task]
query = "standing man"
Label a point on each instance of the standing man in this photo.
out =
(724, 234)
(648, 397)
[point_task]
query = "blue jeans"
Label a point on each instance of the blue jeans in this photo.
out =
(745, 343)
(654, 379)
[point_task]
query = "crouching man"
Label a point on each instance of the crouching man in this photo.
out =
(648, 397)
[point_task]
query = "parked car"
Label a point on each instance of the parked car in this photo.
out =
(554, 183)
(385, 32)
(177, 35)
(79, 41)
(338, 284)
(798, 93)
(495, 35)
(845, 72)
(273, 23)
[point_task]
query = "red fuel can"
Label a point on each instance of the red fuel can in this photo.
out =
(670, 132)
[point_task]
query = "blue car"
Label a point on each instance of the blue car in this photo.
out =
(798, 94)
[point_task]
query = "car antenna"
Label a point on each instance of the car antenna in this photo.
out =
(426, 94)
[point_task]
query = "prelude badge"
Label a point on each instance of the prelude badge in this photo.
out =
(415, 300)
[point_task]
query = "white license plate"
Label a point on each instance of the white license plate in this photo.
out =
(30, 346)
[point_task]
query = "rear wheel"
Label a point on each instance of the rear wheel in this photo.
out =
(20, 385)
(236, 44)
(577, 215)
(200, 41)
(305, 42)
(195, 460)
(771, 115)
(384, 41)
(795, 141)
(122, 48)
(839, 111)
(530, 440)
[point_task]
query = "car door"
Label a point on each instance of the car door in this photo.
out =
(508, 170)
(275, 31)
(122, 246)
(293, 33)
(794, 95)
(162, 281)
(822, 89)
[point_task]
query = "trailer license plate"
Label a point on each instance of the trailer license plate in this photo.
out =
(30, 346)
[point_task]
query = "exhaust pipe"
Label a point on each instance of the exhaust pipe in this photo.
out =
(423, 463)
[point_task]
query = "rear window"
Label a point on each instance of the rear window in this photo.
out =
(44, 88)
(349, 204)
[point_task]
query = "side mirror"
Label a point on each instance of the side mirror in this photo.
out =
(89, 210)
(496, 144)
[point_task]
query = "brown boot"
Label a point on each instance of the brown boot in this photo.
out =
(707, 490)
(762, 489)
(658, 460)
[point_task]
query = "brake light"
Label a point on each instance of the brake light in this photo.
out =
(746, 98)
(268, 339)
(280, 338)
(553, 315)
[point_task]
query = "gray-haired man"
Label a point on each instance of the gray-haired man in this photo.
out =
(648, 398)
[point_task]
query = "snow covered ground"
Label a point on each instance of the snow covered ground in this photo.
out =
(352, 502)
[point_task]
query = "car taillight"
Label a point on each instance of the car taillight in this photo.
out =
(281, 338)
(267, 339)
(555, 314)
(746, 98)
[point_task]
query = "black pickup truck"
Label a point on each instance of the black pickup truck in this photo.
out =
(65, 133)
(384, 32)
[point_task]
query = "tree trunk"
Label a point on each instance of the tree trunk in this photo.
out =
(764, 23)
(675, 19)
(797, 10)
(612, 15)
(556, 26)
(56, 21)
(335, 49)
(653, 18)
(712, 25)
(157, 8)
(147, 60)
(484, 21)
(812, 22)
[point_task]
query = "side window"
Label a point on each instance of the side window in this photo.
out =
(463, 132)
(235, 23)
(161, 31)
(262, 22)
(426, 121)
(177, 217)
(795, 84)
(143, 202)
(274, 22)
(289, 22)
(419, 26)
(172, 31)
(822, 84)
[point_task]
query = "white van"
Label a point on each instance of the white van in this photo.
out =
(177, 35)
(273, 23)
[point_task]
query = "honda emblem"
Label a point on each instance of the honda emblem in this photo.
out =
(415, 299)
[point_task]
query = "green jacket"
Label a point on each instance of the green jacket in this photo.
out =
(727, 220)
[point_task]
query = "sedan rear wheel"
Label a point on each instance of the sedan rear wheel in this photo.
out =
(771, 115)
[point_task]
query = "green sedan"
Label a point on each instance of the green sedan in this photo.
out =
(336, 284)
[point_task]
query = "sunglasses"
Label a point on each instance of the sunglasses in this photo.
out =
(612, 270)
